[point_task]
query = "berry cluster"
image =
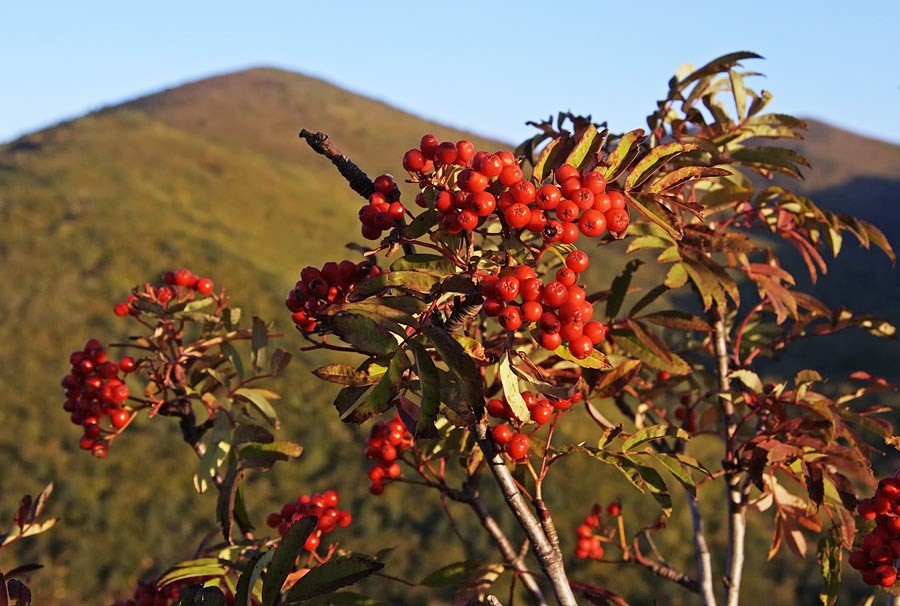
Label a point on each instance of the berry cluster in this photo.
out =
(881, 547)
(322, 505)
(384, 209)
(180, 285)
(94, 389)
(386, 442)
(319, 288)
(589, 545)
(513, 440)
(559, 308)
(493, 184)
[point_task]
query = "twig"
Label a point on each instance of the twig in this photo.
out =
(356, 178)
(704, 561)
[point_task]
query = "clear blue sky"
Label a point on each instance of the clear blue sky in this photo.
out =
(485, 66)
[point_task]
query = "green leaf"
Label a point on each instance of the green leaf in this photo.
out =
(828, 554)
(227, 496)
(748, 378)
(343, 374)
(234, 357)
(685, 174)
(677, 320)
(623, 154)
(596, 360)
(253, 570)
(510, 383)
(619, 288)
(376, 312)
(431, 391)
(678, 471)
(381, 397)
(551, 156)
(461, 365)
(365, 334)
(677, 276)
(739, 92)
(652, 433)
(437, 265)
(217, 450)
(259, 343)
(767, 160)
(654, 160)
(415, 281)
(330, 576)
(653, 482)
(259, 401)
(634, 348)
(290, 546)
(656, 213)
(347, 397)
(452, 575)
(718, 65)
(422, 224)
(193, 569)
(586, 148)
(263, 456)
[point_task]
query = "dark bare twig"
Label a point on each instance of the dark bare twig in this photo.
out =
(356, 178)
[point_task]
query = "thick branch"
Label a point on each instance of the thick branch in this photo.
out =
(737, 522)
(358, 180)
(704, 561)
(549, 557)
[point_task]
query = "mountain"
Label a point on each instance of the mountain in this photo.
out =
(211, 176)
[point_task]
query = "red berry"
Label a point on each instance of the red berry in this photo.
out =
(595, 331)
(204, 286)
(484, 203)
(532, 311)
(577, 261)
(518, 446)
(496, 408)
(467, 220)
(523, 192)
(592, 223)
(490, 166)
(429, 145)
(414, 161)
(510, 175)
(565, 172)
(617, 220)
(567, 211)
(312, 541)
(886, 575)
(465, 151)
(99, 450)
(614, 509)
(510, 318)
(183, 277)
(501, 434)
(542, 413)
(119, 418)
(594, 182)
(555, 294)
(616, 199)
(517, 215)
(121, 309)
(551, 341)
(581, 347)
(602, 203)
(507, 288)
(446, 153)
(548, 197)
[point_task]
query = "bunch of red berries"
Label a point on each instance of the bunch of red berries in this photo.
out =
(386, 442)
(322, 505)
(881, 547)
(95, 390)
(384, 209)
(494, 184)
(589, 545)
(513, 440)
(319, 288)
(180, 285)
(559, 308)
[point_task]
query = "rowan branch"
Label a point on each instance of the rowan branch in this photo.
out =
(357, 179)
(548, 556)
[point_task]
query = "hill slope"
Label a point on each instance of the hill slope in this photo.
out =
(211, 176)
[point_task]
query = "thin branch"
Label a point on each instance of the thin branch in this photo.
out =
(666, 572)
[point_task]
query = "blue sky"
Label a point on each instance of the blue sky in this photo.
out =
(484, 66)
